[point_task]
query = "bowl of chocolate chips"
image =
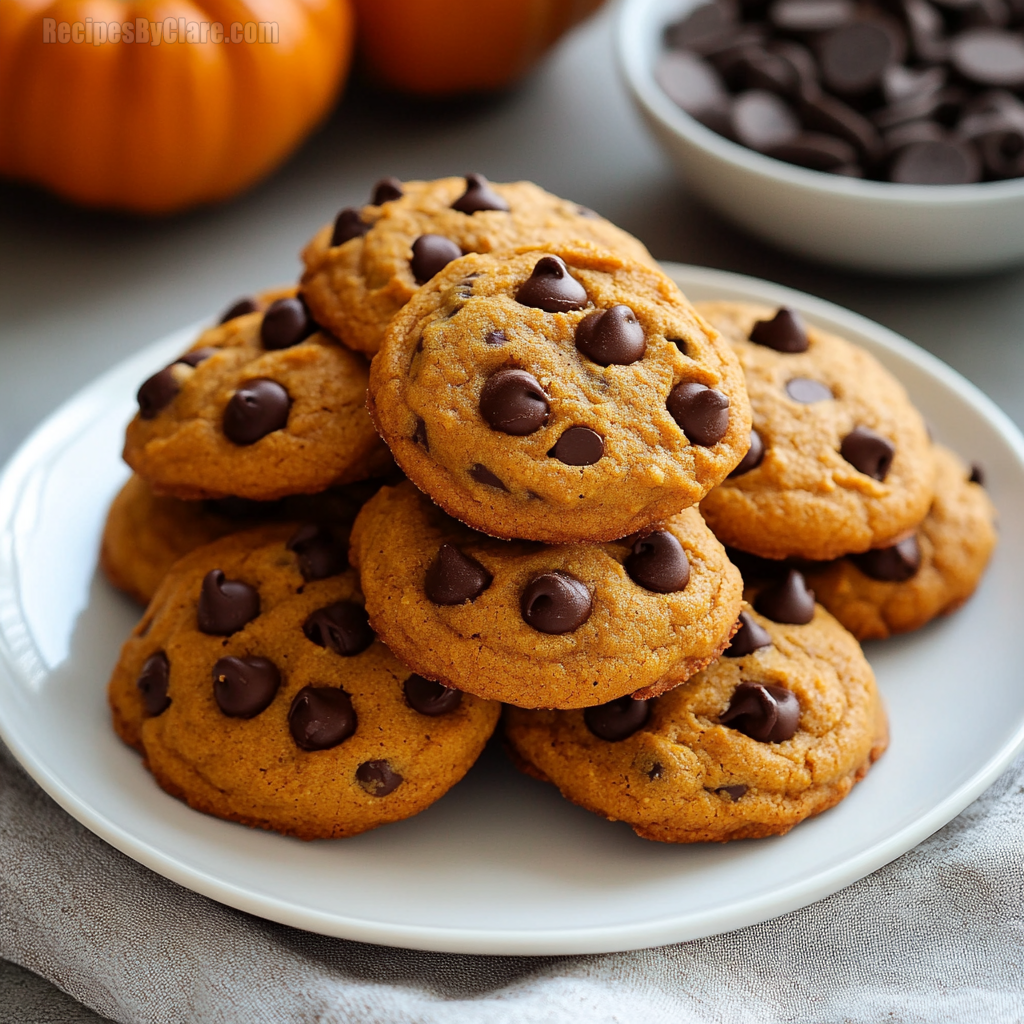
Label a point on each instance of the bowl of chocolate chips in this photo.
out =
(882, 135)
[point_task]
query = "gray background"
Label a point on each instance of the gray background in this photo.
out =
(81, 291)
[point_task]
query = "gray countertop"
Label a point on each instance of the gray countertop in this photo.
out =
(81, 291)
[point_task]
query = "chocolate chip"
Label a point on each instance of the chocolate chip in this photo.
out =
(240, 308)
(868, 452)
(658, 562)
(429, 697)
(321, 717)
(789, 601)
(243, 687)
(618, 719)
(420, 434)
(769, 714)
(578, 446)
(342, 627)
(705, 27)
(977, 475)
(754, 456)
(378, 778)
(733, 792)
(801, 16)
(430, 254)
(894, 564)
(785, 332)
(495, 338)
(479, 196)
(750, 637)
(761, 120)
(555, 603)
(157, 393)
(152, 684)
(825, 113)
(348, 225)
(386, 190)
(854, 58)
(989, 56)
(695, 87)
(285, 323)
(807, 390)
(814, 150)
(936, 163)
(455, 578)
(611, 336)
(257, 408)
(320, 553)
(656, 770)
(513, 402)
(197, 356)
(225, 606)
(482, 475)
(702, 412)
(552, 288)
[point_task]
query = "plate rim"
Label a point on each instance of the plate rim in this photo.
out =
(81, 408)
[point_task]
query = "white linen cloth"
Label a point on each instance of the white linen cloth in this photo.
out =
(937, 936)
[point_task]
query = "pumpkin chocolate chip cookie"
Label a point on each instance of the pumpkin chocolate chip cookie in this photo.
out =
(364, 267)
(258, 693)
(558, 394)
(543, 626)
(839, 459)
(778, 730)
(261, 406)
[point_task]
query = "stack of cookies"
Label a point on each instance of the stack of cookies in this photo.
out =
(556, 410)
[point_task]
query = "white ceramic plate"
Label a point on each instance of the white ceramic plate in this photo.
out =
(502, 864)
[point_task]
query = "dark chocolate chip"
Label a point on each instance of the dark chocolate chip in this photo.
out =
(750, 637)
(785, 332)
(611, 336)
(769, 714)
(658, 562)
(894, 564)
(702, 412)
(578, 446)
(854, 58)
(495, 338)
(240, 308)
(479, 196)
(789, 601)
(429, 697)
(706, 27)
(348, 225)
(243, 687)
(431, 253)
(754, 568)
(157, 393)
(420, 434)
(386, 191)
(656, 769)
(761, 120)
(868, 452)
(342, 627)
(197, 356)
(555, 603)
(618, 719)
(225, 606)
(455, 578)
(733, 792)
(989, 56)
(552, 288)
(285, 323)
(825, 113)
(801, 16)
(806, 390)
(947, 162)
(152, 684)
(319, 551)
(482, 475)
(977, 475)
(754, 456)
(257, 408)
(513, 402)
(321, 717)
(695, 87)
(378, 778)
(814, 150)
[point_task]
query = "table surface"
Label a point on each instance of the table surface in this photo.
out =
(81, 291)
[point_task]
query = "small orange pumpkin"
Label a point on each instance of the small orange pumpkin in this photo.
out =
(445, 47)
(153, 124)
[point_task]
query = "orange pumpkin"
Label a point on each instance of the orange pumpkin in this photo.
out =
(444, 47)
(149, 123)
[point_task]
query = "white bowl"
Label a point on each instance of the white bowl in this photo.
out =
(869, 225)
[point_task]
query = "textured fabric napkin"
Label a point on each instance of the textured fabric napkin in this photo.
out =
(937, 936)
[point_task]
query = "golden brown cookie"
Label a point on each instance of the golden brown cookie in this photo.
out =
(543, 626)
(145, 535)
(260, 407)
(361, 270)
(840, 460)
(749, 747)
(930, 573)
(257, 692)
(558, 394)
